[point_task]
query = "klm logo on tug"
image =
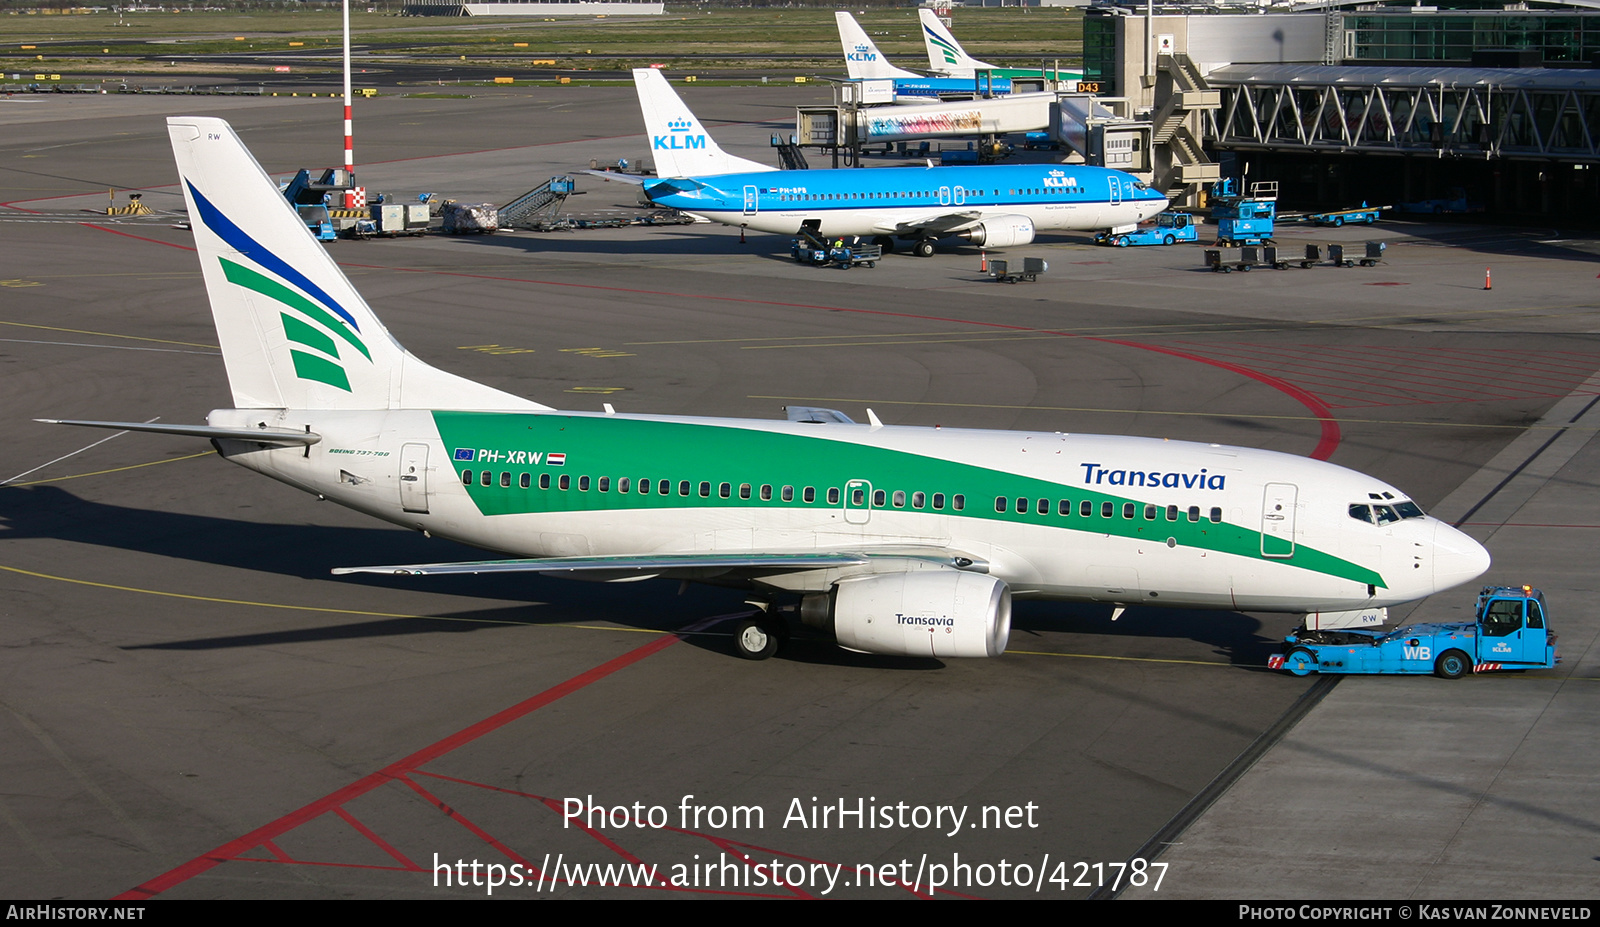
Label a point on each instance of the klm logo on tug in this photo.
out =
(674, 142)
(1096, 475)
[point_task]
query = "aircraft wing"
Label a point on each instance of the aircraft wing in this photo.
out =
(646, 565)
(637, 180)
(942, 223)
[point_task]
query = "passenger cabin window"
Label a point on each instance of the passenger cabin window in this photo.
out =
(525, 480)
(565, 482)
(487, 476)
(466, 477)
(505, 480)
(544, 481)
(583, 483)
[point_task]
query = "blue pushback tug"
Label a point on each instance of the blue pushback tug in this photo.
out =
(1511, 632)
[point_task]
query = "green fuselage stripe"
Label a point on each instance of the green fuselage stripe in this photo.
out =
(677, 451)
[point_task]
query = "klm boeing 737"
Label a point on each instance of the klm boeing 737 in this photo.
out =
(863, 61)
(894, 540)
(996, 206)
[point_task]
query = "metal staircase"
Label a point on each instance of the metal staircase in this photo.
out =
(1187, 165)
(539, 206)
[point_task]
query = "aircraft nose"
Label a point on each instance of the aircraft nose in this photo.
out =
(1457, 558)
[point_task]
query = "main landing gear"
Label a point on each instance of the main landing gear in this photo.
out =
(760, 636)
(923, 247)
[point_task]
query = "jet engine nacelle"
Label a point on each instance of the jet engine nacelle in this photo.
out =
(1001, 232)
(922, 614)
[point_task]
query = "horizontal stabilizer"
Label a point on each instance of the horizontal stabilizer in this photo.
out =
(262, 435)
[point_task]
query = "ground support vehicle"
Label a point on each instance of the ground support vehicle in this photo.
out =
(1244, 219)
(808, 247)
(851, 254)
(1001, 272)
(310, 199)
(1456, 202)
(1223, 265)
(1510, 632)
(1360, 215)
(1168, 228)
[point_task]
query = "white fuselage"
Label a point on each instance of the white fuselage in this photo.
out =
(1124, 520)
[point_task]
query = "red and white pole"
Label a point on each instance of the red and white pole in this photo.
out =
(349, 144)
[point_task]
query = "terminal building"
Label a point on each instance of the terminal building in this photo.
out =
(1493, 108)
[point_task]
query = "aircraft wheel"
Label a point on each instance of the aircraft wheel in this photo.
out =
(1168, 240)
(884, 242)
(1300, 662)
(923, 248)
(757, 637)
(1452, 664)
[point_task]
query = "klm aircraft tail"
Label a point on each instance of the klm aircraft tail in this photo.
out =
(862, 60)
(295, 334)
(679, 144)
(945, 54)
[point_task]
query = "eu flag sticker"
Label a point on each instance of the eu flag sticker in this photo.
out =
(463, 453)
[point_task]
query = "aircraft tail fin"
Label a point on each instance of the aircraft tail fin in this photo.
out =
(945, 54)
(680, 145)
(862, 60)
(294, 333)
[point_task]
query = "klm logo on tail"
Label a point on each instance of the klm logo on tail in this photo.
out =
(316, 320)
(674, 141)
(862, 53)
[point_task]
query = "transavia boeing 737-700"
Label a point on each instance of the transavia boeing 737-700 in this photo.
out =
(894, 540)
(997, 206)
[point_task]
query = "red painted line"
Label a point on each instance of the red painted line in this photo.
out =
(461, 819)
(233, 848)
(153, 241)
(309, 862)
(383, 845)
(281, 856)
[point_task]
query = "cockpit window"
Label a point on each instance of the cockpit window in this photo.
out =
(1408, 509)
(1385, 514)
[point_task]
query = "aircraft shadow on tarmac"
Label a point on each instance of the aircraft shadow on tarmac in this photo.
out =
(309, 551)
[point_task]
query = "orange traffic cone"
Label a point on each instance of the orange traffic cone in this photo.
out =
(1488, 282)
(983, 262)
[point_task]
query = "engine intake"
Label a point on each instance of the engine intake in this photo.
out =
(923, 614)
(1001, 232)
